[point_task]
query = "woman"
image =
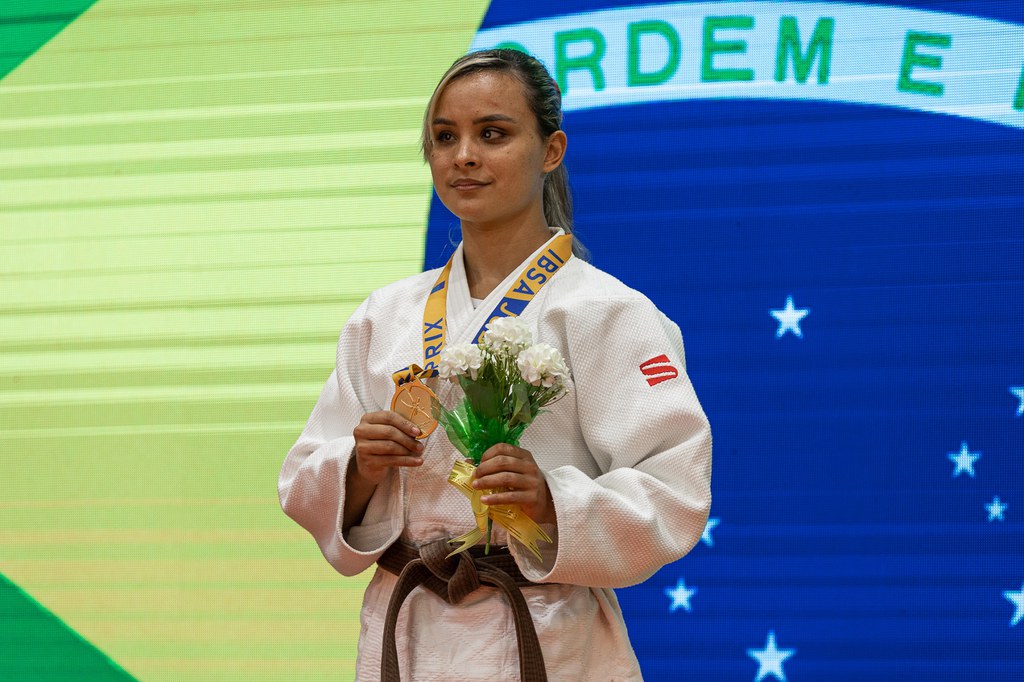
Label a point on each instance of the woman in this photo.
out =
(617, 472)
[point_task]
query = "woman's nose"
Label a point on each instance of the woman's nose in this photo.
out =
(465, 154)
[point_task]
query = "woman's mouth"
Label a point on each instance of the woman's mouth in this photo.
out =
(468, 185)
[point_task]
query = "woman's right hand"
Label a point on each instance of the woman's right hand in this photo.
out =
(385, 439)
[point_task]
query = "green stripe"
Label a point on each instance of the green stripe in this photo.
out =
(187, 304)
(300, 159)
(190, 341)
(190, 199)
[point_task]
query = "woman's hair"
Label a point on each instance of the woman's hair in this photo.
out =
(544, 99)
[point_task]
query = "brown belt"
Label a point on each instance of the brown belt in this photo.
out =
(452, 579)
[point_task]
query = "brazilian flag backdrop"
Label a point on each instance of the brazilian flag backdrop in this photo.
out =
(827, 197)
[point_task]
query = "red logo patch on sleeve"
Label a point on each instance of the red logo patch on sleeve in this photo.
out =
(658, 369)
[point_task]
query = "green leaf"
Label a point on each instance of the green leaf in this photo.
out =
(484, 398)
(522, 409)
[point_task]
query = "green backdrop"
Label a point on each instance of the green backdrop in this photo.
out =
(194, 195)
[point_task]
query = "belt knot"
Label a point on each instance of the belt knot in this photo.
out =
(458, 572)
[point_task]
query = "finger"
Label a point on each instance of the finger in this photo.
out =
(505, 450)
(395, 461)
(387, 432)
(377, 448)
(503, 463)
(394, 419)
(520, 497)
(505, 479)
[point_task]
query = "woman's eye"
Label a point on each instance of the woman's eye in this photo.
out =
(492, 134)
(443, 136)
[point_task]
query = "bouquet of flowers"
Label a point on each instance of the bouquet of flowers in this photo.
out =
(507, 380)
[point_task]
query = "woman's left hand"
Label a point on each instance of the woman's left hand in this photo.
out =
(512, 468)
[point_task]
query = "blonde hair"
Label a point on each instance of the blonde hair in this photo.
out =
(544, 99)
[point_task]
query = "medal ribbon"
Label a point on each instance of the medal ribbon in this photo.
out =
(530, 281)
(435, 323)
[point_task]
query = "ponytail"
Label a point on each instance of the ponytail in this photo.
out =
(558, 207)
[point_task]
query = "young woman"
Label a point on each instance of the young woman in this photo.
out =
(617, 472)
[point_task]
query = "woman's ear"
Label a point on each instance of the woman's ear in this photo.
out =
(554, 152)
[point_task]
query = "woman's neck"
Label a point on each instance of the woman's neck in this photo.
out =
(490, 256)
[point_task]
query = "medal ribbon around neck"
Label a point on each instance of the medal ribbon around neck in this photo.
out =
(435, 322)
(530, 280)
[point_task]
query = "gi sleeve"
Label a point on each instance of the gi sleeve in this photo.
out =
(311, 486)
(644, 427)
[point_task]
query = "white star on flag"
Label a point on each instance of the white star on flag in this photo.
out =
(1019, 392)
(964, 460)
(996, 508)
(1017, 599)
(680, 595)
(770, 659)
(789, 319)
(706, 535)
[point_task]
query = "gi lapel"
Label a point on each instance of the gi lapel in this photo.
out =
(465, 322)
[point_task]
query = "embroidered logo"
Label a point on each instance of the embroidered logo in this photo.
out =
(658, 369)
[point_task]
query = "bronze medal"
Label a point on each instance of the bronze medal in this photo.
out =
(415, 402)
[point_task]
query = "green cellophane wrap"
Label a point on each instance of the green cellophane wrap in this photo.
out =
(487, 416)
(473, 435)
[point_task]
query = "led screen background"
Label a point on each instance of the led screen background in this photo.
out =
(193, 197)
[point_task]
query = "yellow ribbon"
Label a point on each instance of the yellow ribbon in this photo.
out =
(508, 516)
(411, 373)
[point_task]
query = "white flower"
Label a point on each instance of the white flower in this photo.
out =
(459, 360)
(542, 365)
(507, 334)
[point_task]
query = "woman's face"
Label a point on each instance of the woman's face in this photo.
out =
(488, 160)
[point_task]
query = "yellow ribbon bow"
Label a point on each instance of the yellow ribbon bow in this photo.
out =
(508, 516)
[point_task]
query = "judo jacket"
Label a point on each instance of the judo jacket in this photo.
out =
(626, 455)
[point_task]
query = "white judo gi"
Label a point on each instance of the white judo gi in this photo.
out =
(626, 455)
